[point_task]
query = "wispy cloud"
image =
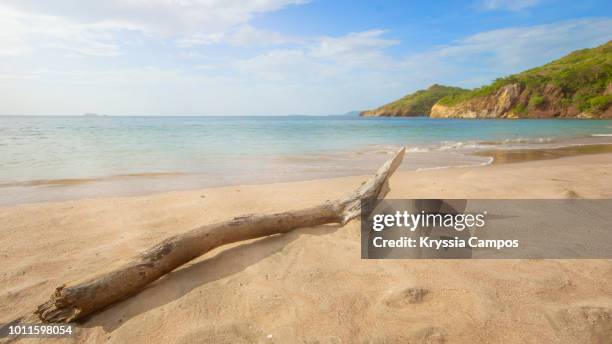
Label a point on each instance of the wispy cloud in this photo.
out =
(322, 57)
(91, 27)
(517, 48)
(164, 17)
(354, 42)
(508, 5)
(23, 33)
(243, 35)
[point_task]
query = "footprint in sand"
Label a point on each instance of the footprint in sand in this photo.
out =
(404, 297)
(228, 333)
(571, 194)
(428, 335)
(584, 324)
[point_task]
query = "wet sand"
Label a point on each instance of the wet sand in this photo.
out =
(505, 156)
(79, 181)
(310, 285)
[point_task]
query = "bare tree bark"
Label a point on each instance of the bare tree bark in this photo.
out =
(69, 303)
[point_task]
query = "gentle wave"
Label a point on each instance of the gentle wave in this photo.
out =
(486, 144)
(486, 163)
(417, 150)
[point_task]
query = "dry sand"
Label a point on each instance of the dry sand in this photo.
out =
(310, 285)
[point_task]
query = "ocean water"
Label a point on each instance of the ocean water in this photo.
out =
(145, 154)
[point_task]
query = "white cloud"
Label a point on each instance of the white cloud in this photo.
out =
(322, 58)
(513, 49)
(91, 27)
(355, 42)
(354, 48)
(200, 39)
(22, 33)
(276, 66)
(248, 35)
(12, 34)
(509, 5)
(165, 17)
(243, 35)
(190, 54)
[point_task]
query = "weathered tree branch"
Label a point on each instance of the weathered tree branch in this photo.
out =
(69, 303)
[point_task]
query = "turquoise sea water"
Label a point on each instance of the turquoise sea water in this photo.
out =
(231, 150)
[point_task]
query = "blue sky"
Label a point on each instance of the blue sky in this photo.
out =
(271, 57)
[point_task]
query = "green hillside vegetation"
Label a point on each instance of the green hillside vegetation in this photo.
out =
(418, 103)
(582, 78)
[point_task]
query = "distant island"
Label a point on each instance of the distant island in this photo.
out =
(92, 114)
(578, 85)
(353, 113)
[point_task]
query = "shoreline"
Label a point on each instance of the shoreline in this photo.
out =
(150, 183)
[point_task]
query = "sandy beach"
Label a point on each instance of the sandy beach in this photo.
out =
(310, 285)
(317, 172)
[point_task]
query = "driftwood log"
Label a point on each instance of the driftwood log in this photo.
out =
(72, 302)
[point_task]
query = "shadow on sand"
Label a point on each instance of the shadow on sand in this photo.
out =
(180, 282)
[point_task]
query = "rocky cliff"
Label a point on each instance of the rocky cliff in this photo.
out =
(578, 85)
